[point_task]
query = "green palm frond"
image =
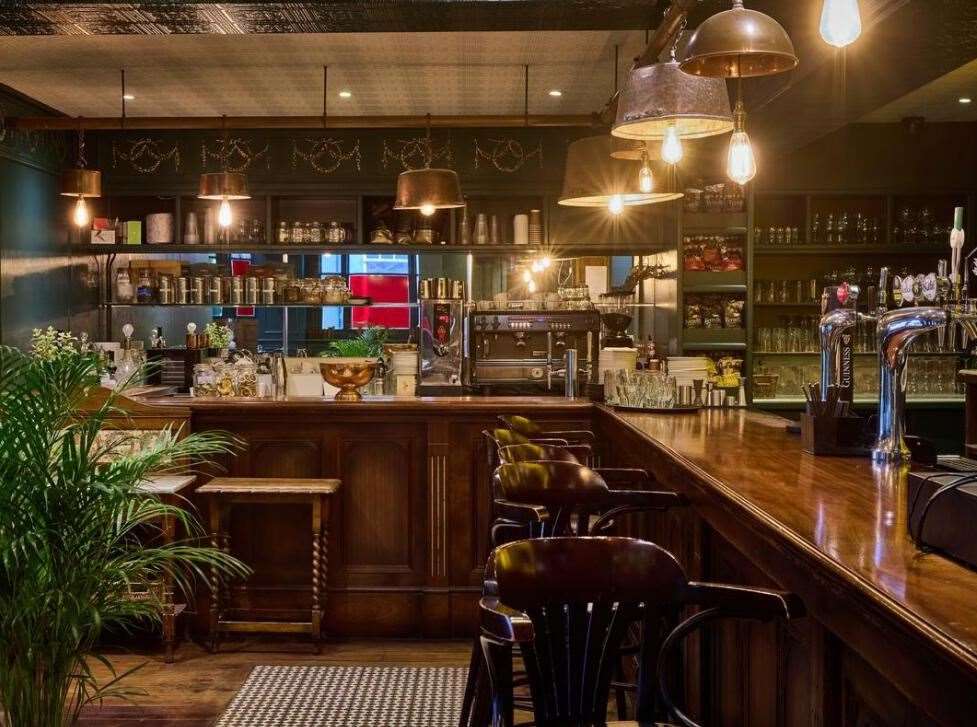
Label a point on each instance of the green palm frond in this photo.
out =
(75, 534)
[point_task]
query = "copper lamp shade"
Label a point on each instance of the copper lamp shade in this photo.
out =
(80, 182)
(428, 189)
(223, 186)
(661, 95)
(739, 43)
(592, 177)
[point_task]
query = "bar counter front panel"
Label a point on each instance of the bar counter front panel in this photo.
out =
(892, 634)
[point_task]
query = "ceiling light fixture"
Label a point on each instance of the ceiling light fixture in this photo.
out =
(556, 93)
(593, 178)
(965, 99)
(740, 161)
(81, 183)
(428, 190)
(128, 97)
(841, 22)
(345, 94)
(225, 186)
(739, 43)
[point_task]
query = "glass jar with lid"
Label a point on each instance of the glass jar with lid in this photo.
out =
(336, 234)
(144, 288)
(298, 233)
(315, 233)
(335, 290)
(311, 292)
(124, 291)
(284, 233)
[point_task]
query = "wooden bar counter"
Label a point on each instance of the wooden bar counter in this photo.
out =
(892, 633)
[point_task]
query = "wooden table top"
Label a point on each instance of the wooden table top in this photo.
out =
(269, 486)
(844, 514)
(166, 484)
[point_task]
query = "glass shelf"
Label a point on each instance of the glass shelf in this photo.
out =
(259, 305)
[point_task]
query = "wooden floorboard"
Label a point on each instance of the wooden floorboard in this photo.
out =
(194, 690)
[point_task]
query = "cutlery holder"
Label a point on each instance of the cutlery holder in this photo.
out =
(834, 436)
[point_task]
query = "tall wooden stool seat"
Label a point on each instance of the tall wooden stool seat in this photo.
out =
(227, 491)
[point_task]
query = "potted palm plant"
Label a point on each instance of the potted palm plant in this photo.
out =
(70, 510)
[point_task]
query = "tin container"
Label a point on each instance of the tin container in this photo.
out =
(165, 290)
(251, 290)
(237, 290)
(215, 291)
(182, 291)
(198, 289)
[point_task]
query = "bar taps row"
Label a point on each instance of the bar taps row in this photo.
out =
(895, 330)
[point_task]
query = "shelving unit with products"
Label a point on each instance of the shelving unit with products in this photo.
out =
(842, 237)
(294, 235)
(714, 272)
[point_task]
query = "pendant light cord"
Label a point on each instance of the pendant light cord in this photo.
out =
(525, 96)
(325, 94)
(224, 150)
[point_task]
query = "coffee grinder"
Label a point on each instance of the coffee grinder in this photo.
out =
(441, 337)
(615, 318)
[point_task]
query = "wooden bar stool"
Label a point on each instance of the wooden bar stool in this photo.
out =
(227, 491)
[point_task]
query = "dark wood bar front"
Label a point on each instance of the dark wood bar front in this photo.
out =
(891, 637)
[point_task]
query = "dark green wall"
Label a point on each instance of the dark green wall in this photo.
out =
(34, 268)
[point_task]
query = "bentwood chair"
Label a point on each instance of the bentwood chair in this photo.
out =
(568, 499)
(566, 603)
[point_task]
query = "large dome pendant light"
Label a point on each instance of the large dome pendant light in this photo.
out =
(224, 186)
(661, 103)
(739, 43)
(81, 183)
(428, 190)
(593, 178)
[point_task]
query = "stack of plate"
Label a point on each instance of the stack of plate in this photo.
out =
(687, 368)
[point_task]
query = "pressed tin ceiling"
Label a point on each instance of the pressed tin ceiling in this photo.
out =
(328, 16)
(252, 75)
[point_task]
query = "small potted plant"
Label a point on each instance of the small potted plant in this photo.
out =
(219, 337)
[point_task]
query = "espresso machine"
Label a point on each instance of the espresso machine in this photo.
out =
(524, 351)
(441, 337)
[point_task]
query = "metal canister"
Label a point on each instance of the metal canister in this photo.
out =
(165, 290)
(237, 290)
(251, 290)
(268, 291)
(426, 288)
(457, 290)
(442, 288)
(198, 289)
(182, 290)
(215, 291)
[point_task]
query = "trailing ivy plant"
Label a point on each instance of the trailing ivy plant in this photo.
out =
(71, 515)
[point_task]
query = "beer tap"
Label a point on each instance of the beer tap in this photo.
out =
(833, 326)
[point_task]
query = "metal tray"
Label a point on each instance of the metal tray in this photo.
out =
(652, 410)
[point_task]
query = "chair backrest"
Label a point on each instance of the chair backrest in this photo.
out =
(523, 425)
(580, 595)
(570, 492)
(532, 452)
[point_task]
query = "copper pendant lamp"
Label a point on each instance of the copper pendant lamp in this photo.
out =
(593, 178)
(428, 190)
(81, 183)
(224, 186)
(660, 96)
(739, 43)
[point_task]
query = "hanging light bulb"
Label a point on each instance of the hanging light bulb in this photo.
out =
(741, 162)
(615, 205)
(536, 267)
(672, 151)
(545, 261)
(224, 214)
(646, 181)
(81, 217)
(841, 22)
(428, 209)
(531, 287)
(527, 277)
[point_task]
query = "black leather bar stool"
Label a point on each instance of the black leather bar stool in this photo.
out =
(566, 603)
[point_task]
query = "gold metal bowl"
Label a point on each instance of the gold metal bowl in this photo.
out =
(348, 375)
